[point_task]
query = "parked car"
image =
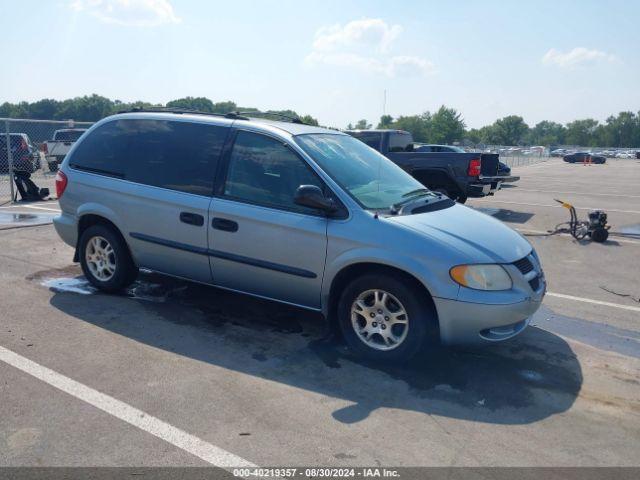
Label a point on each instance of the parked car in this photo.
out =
(297, 214)
(584, 157)
(504, 171)
(56, 149)
(457, 175)
(24, 155)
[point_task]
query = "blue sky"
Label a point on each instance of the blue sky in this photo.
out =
(556, 60)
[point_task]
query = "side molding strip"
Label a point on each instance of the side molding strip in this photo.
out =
(299, 272)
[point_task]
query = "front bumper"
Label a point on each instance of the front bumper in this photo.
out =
(469, 323)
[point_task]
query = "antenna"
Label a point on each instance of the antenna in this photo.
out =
(384, 102)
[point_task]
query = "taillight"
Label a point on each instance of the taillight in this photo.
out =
(61, 183)
(474, 167)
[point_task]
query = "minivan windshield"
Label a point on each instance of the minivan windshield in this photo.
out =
(369, 177)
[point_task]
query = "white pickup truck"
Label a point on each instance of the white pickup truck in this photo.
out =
(55, 150)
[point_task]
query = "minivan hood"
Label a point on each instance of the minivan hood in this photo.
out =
(478, 236)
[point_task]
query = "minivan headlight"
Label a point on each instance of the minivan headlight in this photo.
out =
(481, 277)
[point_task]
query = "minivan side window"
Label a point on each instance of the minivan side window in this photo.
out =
(178, 156)
(264, 171)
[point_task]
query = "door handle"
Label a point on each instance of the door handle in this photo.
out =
(224, 224)
(192, 218)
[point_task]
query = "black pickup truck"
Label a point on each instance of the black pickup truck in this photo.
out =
(458, 175)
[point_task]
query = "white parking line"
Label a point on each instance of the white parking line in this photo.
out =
(38, 207)
(554, 206)
(595, 302)
(189, 443)
(591, 194)
(42, 208)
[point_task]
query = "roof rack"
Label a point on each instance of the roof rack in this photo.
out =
(272, 114)
(233, 115)
(183, 111)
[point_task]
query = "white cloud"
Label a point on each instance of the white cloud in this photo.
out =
(577, 56)
(365, 45)
(368, 32)
(134, 13)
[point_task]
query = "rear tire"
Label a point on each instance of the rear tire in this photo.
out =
(371, 309)
(105, 259)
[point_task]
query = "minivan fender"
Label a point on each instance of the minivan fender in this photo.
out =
(375, 256)
(92, 208)
(99, 211)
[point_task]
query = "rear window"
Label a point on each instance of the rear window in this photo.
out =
(370, 138)
(67, 135)
(179, 156)
(398, 142)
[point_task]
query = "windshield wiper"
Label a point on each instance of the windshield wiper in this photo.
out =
(423, 192)
(416, 191)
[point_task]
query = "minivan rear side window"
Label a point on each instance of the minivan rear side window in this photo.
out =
(179, 156)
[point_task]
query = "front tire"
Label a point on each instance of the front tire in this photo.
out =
(384, 317)
(105, 259)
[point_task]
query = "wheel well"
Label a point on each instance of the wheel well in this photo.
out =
(435, 179)
(90, 220)
(351, 272)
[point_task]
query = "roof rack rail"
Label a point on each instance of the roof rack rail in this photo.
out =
(183, 111)
(273, 114)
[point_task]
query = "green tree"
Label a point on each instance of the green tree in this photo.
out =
(224, 107)
(417, 125)
(547, 133)
(510, 130)
(309, 120)
(622, 130)
(362, 125)
(446, 126)
(385, 121)
(201, 104)
(473, 136)
(84, 109)
(581, 132)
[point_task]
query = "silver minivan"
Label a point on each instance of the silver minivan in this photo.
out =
(297, 214)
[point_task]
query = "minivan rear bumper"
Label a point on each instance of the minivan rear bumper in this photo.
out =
(479, 323)
(67, 228)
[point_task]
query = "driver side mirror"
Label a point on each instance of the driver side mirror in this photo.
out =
(311, 196)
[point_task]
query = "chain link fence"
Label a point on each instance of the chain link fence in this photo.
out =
(33, 149)
(514, 156)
